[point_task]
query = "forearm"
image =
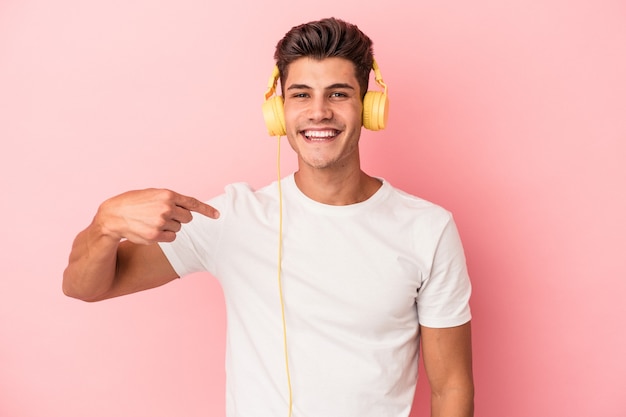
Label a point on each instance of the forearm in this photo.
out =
(92, 264)
(447, 354)
(118, 253)
(458, 402)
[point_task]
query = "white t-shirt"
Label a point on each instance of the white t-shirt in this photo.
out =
(357, 282)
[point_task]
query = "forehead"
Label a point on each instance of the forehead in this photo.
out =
(320, 73)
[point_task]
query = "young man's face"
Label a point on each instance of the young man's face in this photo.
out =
(323, 112)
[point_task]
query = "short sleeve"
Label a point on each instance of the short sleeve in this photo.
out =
(443, 298)
(195, 246)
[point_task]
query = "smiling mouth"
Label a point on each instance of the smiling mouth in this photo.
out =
(320, 135)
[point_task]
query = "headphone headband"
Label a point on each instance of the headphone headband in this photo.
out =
(271, 84)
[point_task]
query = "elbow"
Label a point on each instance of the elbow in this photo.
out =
(463, 389)
(72, 288)
(70, 291)
(459, 398)
(73, 293)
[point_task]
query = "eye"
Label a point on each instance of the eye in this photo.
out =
(340, 95)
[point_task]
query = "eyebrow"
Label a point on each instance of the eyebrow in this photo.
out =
(330, 87)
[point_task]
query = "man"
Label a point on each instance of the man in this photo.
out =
(366, 271)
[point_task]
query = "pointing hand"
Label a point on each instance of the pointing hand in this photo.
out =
(149, 216)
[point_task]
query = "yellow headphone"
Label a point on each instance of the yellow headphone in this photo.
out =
(375, 105)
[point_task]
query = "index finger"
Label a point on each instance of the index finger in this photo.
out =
(193, 204)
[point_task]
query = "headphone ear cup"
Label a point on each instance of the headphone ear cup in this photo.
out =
(274, 115)
(375, 110)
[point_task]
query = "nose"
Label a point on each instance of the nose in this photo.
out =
(320, 109)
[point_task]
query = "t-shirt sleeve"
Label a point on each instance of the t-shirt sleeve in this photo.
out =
(195, 246)
(443, 297)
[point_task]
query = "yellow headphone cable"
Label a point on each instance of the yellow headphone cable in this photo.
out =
(280, 283)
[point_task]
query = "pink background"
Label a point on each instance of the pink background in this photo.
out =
(510, 114)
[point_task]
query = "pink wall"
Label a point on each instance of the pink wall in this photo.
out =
(510, 114)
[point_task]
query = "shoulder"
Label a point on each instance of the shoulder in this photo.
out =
(242, 191)
(240, 200)
(402, 202)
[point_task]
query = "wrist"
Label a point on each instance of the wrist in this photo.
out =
(103, 225)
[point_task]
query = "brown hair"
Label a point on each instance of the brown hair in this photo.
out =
(324, 39)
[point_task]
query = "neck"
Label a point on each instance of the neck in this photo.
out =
(337, 190)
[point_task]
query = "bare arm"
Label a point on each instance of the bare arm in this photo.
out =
(448, 363)
(102, 266)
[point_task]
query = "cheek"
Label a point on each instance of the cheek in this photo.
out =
(358, 111)
(291, 116)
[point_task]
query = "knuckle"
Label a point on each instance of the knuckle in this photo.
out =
(162, 194)
(152, 235)
(160, 222)
(166, 211)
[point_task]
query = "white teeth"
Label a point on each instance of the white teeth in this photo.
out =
(317, 134)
